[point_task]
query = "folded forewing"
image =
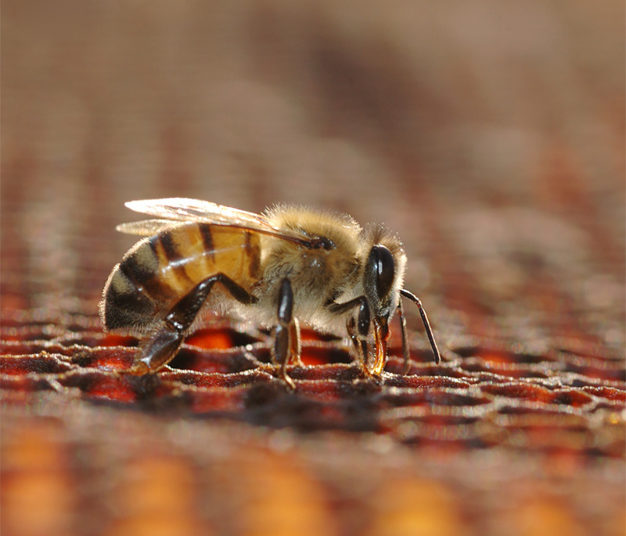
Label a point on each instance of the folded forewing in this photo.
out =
(175, 210)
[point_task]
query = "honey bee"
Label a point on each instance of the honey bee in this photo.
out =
(278, 268)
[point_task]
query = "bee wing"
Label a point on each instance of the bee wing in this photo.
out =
(175, 210)
(183, 209)
(146, 227)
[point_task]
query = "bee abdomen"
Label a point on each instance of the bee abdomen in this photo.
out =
(159, 271)
(136, 291)
(125, 304)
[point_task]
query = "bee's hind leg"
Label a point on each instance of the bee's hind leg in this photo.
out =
(162, 347)
(287, 336)
(159, 350)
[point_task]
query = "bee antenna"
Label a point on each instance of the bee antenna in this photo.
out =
(429, 330)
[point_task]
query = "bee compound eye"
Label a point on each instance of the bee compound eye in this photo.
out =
(383, 267)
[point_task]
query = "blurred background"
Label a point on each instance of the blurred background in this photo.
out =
(489, 135)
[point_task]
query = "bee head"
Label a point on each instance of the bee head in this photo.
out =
(382, 280)
(384, 271)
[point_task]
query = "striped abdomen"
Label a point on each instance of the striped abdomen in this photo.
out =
(158, 271)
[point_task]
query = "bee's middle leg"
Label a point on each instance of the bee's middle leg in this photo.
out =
(287, 335)
(162, 347)
(295, 348)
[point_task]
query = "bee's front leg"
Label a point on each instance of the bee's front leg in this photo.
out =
(351, 329)
(363, 328)
(287, 335)
(359, 330)
(406, 353)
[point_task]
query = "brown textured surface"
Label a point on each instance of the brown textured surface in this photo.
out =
(489, 136)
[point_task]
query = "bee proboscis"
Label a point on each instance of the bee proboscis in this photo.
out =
(285, 266)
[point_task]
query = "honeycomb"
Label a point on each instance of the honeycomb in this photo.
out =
(477, 398)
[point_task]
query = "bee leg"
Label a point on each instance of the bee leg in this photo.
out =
(363, 321)
(360, 345)
(363, 328)
(295, 348)
(159, 350)
(283, 343)
(163, 346)
(351, 329)
(429, 331)
(406, 352)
